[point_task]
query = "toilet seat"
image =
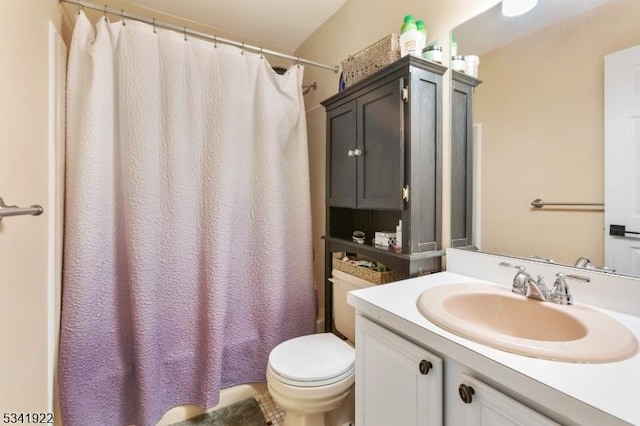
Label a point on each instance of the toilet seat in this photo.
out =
(313, 360)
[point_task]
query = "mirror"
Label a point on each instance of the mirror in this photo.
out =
(539, 125)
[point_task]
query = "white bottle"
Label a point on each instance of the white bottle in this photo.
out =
(422, 30)
(410, 38)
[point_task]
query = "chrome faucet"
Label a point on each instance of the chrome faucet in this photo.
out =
(524, 284)
(585, 263)
(582, 262)
(561, 293)
(537, 289)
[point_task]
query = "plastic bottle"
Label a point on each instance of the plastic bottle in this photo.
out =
(409, 37)
(454, 45)
(458, 64)
(433, 53)
(423, 35)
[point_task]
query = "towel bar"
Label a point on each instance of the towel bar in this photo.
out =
(6, 211)
(538, 203)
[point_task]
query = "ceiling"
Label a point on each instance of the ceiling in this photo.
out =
(498, 30)
(281, 24)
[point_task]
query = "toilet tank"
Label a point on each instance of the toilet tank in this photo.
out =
(344, 315)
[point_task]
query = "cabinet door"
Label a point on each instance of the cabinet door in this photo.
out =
(461, 164)
(341, 159)
(381, 140)
(485, 406)
(397, 382)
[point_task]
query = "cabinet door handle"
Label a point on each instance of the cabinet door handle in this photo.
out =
(351, 153)
(466, 393)
(357, 152)
(425, 366)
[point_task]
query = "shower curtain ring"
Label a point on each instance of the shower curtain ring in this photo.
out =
(185, 33)
(155, 31)
(242, 49)
(298, 61)
(105, 13)
(122, 17)
(215, 41)
(261, 52)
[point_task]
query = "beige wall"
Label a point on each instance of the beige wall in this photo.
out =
(541, 110)
(27, 345)
(356, 25)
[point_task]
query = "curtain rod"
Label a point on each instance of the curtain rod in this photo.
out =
(186, 31)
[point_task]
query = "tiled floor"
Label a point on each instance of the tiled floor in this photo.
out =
(272, 413)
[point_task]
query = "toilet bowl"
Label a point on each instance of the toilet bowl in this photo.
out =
(311, 377)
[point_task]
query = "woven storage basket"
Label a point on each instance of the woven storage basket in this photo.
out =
(366, 273)
(371, 59)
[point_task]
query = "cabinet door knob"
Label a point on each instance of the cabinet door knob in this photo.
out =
(466, 393)
(425, 366)
(357, 152)
(351, 153)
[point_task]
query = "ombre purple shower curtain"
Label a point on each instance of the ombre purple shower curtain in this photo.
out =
(188, 224)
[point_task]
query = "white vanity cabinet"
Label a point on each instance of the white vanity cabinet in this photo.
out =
(478, 404)
(570, 393)
(401, 383)
(397, 382)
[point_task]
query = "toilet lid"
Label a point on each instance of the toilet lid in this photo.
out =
(313, 358)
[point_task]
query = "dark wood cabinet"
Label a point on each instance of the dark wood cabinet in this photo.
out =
(366, 150)
(341, 179)
(384, 164)
(462, 159)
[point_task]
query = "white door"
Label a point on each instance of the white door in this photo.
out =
(622, 160)
(482, 405)
(397, 382)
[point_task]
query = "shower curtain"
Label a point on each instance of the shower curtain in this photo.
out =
(187, 225)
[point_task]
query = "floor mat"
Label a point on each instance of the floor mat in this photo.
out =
(244, 413)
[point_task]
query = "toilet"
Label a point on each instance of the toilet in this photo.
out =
(311, 377)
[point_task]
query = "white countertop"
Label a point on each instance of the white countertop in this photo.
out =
(613, 388)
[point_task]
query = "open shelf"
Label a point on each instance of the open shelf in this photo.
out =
(391, 259)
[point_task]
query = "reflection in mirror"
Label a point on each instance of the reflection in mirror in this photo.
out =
(539, 120)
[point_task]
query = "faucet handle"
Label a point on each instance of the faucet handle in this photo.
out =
(560, 293)
(580, 278)
(520, 279)
(521, 269)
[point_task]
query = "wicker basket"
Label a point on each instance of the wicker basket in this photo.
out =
(366, 273)
(371, 59)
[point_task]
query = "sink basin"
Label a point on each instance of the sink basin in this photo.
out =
(495, 317)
